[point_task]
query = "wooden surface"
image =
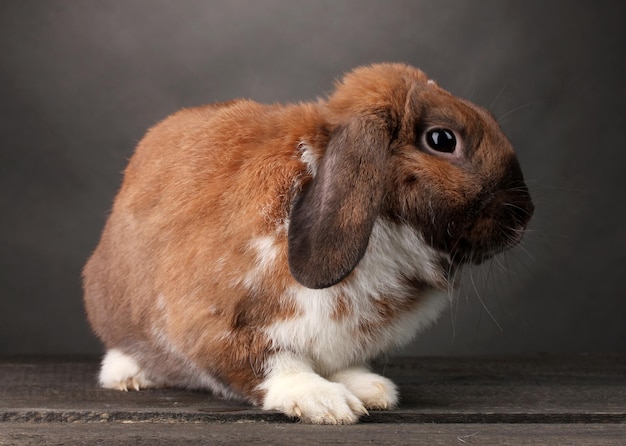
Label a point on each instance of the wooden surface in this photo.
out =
(537, 400)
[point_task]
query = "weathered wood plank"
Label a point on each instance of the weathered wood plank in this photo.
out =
(252, 433)
(491, 401)
(581, 389)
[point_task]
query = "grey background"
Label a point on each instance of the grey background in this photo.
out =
(81, 81)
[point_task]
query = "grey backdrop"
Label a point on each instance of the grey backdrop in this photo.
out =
(80, 82)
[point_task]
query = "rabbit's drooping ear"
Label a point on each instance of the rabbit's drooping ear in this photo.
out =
(331, 221)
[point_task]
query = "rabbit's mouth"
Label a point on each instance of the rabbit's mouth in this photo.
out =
(498, 224)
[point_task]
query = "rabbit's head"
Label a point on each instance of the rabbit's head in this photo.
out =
(403, 149)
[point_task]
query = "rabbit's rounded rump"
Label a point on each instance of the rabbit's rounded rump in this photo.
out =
(268, 252)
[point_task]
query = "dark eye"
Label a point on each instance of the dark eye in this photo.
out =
(441, 140)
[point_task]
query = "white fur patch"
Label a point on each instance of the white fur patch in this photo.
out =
(395, 252)
(266, 253)
(308, 157)
(121, 372)
(293, 388)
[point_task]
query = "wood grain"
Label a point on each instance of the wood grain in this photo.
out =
(526, 400)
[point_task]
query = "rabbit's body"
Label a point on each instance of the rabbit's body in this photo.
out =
(203, 278)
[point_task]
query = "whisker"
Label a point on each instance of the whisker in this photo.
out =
(522, 248)
(482, 302)
(521, 107)
(493, 103)
(519, 208)
(503, 268)
(548, 187)
(516, 189)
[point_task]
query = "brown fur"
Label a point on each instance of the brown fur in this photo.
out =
(155, 243)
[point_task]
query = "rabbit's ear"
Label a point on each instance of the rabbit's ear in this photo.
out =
(331, 220)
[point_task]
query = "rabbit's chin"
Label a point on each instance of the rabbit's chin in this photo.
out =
(496, 240)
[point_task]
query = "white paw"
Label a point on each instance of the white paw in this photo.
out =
(311, 398)
(121, 372)
(374, 391)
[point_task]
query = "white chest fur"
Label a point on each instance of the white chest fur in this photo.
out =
(333, 341)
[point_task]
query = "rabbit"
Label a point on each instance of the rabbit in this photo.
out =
(268, 253)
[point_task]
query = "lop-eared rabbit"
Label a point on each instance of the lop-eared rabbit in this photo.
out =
(268, 252)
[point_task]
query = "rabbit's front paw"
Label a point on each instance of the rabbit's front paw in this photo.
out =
(375, 391)
(313, 399)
